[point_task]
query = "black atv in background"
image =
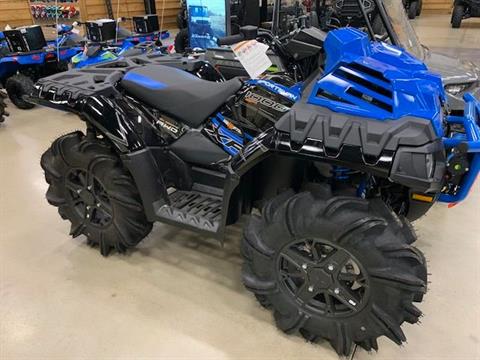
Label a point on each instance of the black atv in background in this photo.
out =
(464, 9)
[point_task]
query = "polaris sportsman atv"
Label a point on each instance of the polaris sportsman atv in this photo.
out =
(329, 173)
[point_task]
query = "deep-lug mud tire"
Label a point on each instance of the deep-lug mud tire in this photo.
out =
(457, 16)
(3, 106)
(338, 268)
(93, 191)
(17, 86)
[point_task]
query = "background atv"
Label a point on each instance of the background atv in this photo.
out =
(20, 70)
(328, 173)
(464, 9)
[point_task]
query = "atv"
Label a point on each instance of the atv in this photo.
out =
(126, 44)
(329, 172)
(19, 70)
(464, 9)
(102, 52)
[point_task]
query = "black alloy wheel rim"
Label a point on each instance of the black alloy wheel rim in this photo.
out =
(89, 198)
(323, 277)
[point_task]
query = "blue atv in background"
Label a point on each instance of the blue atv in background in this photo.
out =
(95, 53)
(330, 171)
(120, 43)
(19, 70)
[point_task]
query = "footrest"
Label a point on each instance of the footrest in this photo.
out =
(193, 209)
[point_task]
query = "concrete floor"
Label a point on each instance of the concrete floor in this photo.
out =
(179, 295)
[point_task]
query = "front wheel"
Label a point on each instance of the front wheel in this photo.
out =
(17, 87)
(92, 190)
(338, 268)
(457, 16)
(412, 10)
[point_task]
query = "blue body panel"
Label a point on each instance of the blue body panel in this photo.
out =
(144, 81)
(376, 80)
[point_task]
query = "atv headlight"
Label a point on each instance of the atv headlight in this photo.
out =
(455, 89)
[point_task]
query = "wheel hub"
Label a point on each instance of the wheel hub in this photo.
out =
(88, 198)
(323, 277)
(319, 278)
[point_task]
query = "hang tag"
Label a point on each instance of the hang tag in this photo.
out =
(253, 56)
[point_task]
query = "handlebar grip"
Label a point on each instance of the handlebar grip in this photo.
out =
(230, 40)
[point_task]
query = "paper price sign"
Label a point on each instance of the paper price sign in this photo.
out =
(253, 56)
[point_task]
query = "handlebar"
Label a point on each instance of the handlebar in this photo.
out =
(230, 40)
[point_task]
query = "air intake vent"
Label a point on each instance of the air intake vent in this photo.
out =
(358, 85)
(326, 95)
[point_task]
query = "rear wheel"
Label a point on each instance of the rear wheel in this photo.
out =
(336, 268)
(17, 86)
(412, 10)
(93, 191)
(457, 16)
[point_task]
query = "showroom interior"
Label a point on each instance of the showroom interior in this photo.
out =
(239, 179)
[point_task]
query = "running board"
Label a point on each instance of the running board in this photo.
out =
(194, 210)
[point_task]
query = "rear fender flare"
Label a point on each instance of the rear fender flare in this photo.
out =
(122, 125)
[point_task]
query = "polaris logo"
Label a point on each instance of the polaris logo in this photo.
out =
(257, 99)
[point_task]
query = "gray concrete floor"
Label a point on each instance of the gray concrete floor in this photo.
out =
(179, 295)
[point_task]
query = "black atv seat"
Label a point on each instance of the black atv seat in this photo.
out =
(178, 93)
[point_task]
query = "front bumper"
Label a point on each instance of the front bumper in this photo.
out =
(466, 143)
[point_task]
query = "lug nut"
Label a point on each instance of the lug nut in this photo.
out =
(330, 267)
(363, 328)
(310, 288)
(98, 204)
(336, 291)
(304, 266)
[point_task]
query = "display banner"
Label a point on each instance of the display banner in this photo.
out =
(206, 22)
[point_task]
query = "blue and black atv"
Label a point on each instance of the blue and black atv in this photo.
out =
(25, 57)
(124, 44)
(95, 53)
(330, 172)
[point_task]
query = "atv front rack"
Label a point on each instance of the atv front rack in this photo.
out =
(465, 143)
